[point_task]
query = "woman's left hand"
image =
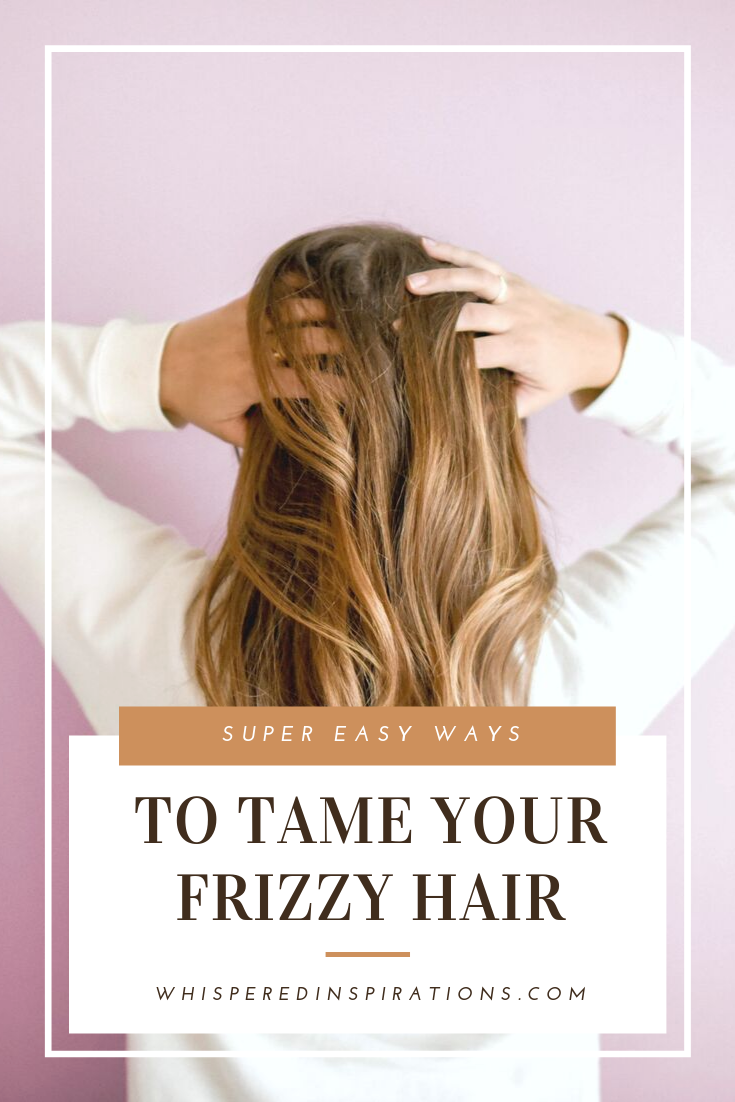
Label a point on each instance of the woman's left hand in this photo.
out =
(551, 347)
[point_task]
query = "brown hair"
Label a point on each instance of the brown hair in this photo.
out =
(383, 544)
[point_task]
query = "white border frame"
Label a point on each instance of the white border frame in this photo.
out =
(49, 1051)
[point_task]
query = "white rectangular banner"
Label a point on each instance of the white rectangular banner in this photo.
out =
(345, 899)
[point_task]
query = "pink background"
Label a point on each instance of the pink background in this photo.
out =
(174, 176)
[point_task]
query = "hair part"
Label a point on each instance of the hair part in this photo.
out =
(383, 544)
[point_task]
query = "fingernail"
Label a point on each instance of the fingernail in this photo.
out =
(428, 241)
(417, 280)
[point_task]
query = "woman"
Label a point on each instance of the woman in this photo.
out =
(383, 543)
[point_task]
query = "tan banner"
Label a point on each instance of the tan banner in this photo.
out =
(367, 736)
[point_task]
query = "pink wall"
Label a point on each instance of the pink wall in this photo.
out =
(175, 175)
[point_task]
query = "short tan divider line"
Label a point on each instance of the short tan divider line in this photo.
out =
(367, 954)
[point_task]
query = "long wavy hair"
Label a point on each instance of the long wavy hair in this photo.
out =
(383, 544)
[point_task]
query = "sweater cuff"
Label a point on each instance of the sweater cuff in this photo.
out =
(647, 386)
(126, 376)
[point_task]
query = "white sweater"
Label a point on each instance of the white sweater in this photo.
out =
(121, 584)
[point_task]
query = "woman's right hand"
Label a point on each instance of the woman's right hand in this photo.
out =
(552, 347)
(207, 373)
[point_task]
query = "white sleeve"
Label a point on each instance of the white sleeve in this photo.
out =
(620, 631)
(120, 583)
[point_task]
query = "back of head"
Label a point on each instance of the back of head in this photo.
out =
(383, 544)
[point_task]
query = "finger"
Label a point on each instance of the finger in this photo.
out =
(296, 311)
(530, 400)
(479, 281)
(463, 258)
(316, 340)
(312, 340)
(493, 352)
(483, 317)
(295, 281)
(478, 317)
(288, 385)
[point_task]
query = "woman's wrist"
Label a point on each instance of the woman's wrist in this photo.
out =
(170, 383)
(602, 348)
